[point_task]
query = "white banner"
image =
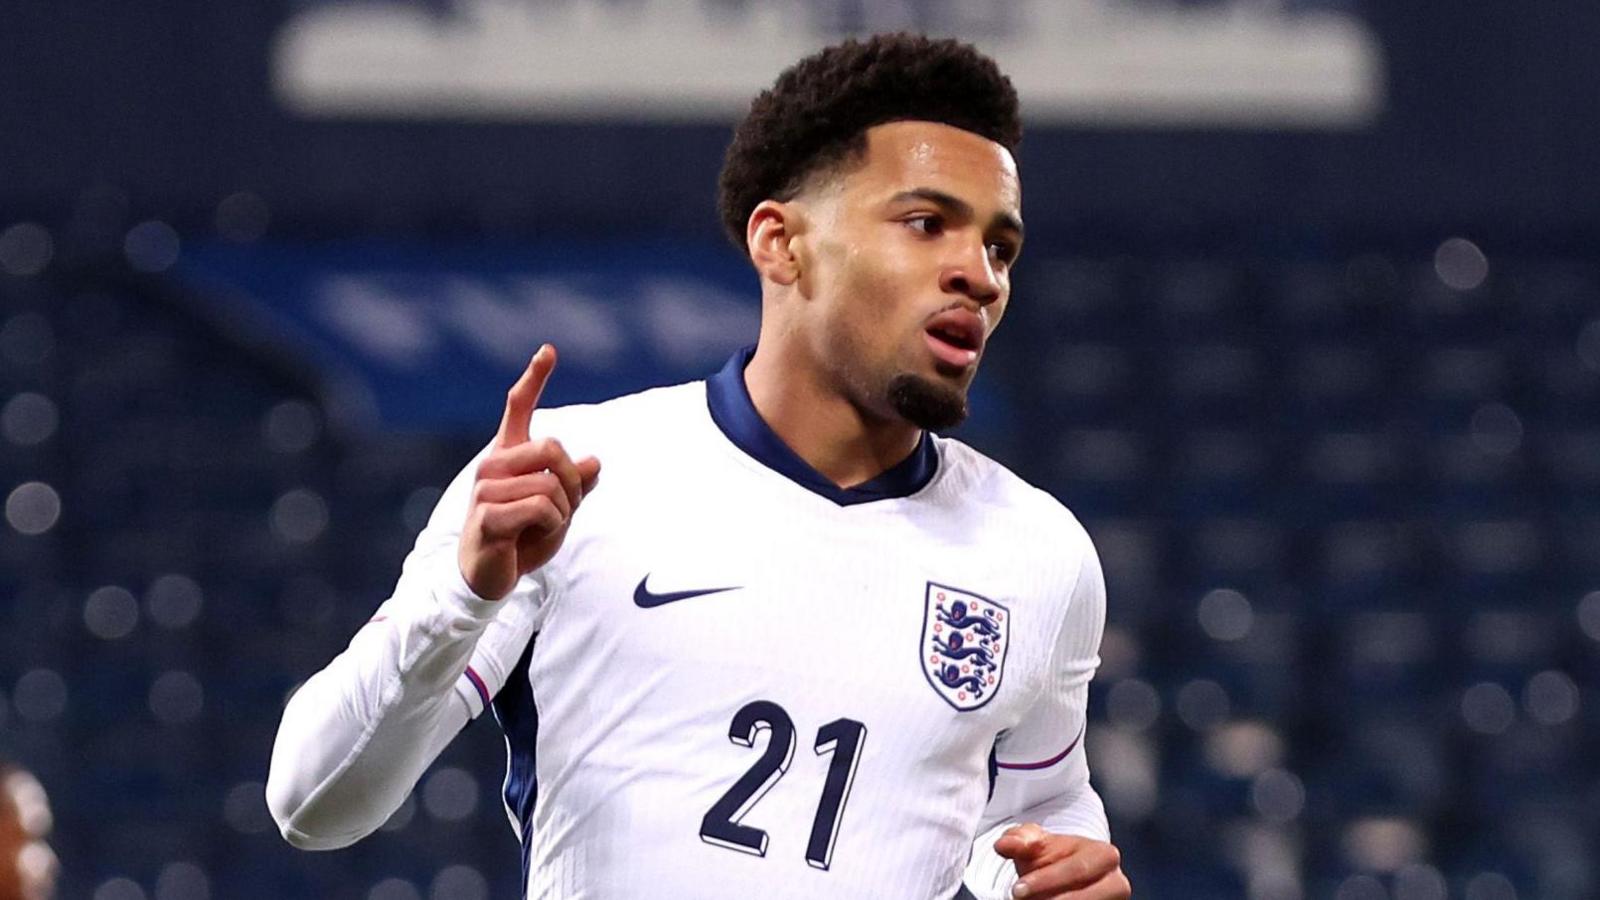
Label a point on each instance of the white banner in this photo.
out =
(1236, 63)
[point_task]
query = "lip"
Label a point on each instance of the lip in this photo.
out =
(965, 327)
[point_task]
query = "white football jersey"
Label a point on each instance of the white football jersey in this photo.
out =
(738, 680)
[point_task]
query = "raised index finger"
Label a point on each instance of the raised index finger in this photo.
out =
(524, 396)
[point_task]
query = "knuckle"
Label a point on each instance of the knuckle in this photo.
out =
(550, 508)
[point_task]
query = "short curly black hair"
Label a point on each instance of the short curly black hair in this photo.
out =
(817, 113)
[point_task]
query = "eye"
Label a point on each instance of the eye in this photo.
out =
(1004, 251)
(929, 225)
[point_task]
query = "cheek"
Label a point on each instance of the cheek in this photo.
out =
(998, 311)
(868, 290)
(863, 292)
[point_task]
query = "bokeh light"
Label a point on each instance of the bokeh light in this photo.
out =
(1420, 881)
(1202, 704)
(244, 808)
(450, 794)
(292, 426)
(1225, 614)
(459, 882)
(183, 881)
(111, 613)
(1278, 796)
(25, 249)
(1551, 698)
(176, 698)
(173, 600)
(394, 889)
(1133, 704)
(33, 507)
(1244, 749)
(40, 695)
(29, 419)
(119, 888)
(299, 516)
(151, 246)
(1460, 264)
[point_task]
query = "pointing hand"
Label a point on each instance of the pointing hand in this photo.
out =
(525, 493)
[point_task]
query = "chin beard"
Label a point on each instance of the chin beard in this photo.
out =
(926, 404)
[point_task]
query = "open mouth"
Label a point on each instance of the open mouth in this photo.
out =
(956, 337)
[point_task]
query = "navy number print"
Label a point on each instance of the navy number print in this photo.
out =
(841, 737)
(721, 823)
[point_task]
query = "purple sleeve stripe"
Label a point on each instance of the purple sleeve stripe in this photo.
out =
(1043, 764)
(477, 682)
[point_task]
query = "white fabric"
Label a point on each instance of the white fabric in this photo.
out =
(634, 705)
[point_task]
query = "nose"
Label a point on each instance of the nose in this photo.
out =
(972, 276)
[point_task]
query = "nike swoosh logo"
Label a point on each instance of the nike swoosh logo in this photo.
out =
(644, 599)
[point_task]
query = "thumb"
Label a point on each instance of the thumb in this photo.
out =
(588, 473)
(1019, 841)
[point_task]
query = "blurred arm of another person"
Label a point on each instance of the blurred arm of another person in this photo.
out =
(358, 734)
(27, 864)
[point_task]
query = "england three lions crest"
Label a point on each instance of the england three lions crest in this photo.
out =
(964, 642)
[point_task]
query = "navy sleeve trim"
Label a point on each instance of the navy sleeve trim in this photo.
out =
(1044, 763)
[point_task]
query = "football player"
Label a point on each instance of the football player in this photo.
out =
(797, 645)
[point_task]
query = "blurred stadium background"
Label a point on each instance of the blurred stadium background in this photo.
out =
(1308, 334)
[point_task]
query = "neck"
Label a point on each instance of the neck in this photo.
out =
(824, 427)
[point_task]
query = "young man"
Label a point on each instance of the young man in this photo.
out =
(797, 646)
(27, 864)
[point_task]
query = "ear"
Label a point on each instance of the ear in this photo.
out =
(770, 235)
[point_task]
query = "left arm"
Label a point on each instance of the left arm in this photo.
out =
(1044, 820)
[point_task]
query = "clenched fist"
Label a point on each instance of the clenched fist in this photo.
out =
(525, 493)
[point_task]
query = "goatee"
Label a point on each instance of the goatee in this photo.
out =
(927, 404)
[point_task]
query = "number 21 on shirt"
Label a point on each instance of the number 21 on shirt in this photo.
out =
(841, 737)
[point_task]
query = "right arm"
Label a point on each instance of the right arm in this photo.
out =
(358, 734)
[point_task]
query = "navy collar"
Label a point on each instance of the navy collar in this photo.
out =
(734, 412)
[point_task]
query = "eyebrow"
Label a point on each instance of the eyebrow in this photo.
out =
(958, 206)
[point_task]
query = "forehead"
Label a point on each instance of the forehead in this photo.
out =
(907, 155)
